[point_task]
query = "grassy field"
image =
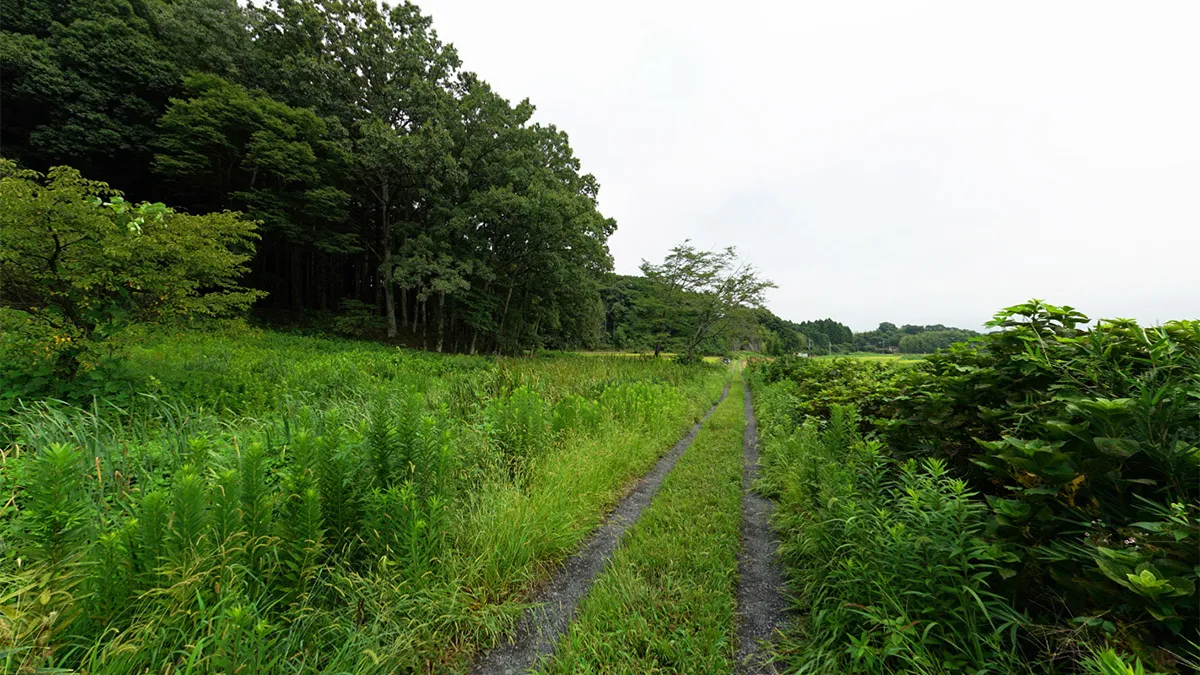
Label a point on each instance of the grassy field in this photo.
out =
(647, 355)
(871, 356)
(261, 502)
(248, 501)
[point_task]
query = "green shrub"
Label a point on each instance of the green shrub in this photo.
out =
(816, 385)
(1086, 445)
(519, 427)
(81, 265)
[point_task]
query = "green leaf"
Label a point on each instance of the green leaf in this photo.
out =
(1117, 447)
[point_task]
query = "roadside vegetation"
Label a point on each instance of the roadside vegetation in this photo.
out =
(1025, 502)
(184, 491)
(279, 503)
(666, 603)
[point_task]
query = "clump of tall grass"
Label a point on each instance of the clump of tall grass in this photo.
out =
(386, 518)
(217, 542)
(889, 562)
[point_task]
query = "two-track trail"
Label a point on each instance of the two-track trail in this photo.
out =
(538, 631)
(693, 586)
(762, 605)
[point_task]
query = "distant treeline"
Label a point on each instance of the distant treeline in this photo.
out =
(829, 336)
(910, 339)
(629, 326)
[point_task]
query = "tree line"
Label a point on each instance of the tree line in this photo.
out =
(384, 175)
(910, 339)
(640, 314)
(388, 183)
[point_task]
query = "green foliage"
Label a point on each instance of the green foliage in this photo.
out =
(699, 294)
(80, 264)
(1087, 440)
(348, 522)
(890, 562)
(1084, 443)
(84, 84)
(519, 426)
(813, 387)
(55, 518)
(227, 147)
(1109, 662)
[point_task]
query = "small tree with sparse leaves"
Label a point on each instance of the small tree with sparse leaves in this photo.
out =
(698, 294)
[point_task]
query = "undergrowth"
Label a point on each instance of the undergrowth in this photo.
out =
(364, 509)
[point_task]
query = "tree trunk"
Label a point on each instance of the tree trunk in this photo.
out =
(503, 318)
(360, 267)
(385, 267)
(323, 282)
(441, 319)
(403, 306)
(297, 278)
(311, 281)
(474, 338)
(425, 324)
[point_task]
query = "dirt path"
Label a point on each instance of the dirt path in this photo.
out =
(762, 605)
(538, 631)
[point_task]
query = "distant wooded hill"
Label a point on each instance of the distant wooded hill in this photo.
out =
(627, 327)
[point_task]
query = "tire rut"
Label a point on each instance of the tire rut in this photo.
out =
(762, 605)
(538, 631)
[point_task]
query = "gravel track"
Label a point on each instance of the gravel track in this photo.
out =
(538, 631)
(762, 605)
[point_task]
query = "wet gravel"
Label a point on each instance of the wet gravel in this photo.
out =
(762, 605)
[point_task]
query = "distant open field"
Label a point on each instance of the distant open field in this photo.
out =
(707, 359)
(871, 356)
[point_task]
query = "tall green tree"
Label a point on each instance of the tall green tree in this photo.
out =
(227, 147)
(379, 170)
(84, 83)
(701, 290)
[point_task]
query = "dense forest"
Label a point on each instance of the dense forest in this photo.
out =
(390, 186)
(384, 176)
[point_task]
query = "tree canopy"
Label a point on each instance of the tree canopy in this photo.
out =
(381, 171)
(383, 175)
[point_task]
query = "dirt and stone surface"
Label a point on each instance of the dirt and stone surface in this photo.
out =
(538, 631)
(761, 598)
(762, 605)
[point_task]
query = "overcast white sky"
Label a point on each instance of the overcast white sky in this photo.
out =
(913, 162)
